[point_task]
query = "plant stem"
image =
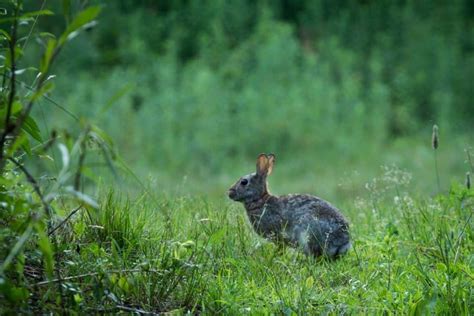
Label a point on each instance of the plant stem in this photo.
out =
(80, 276)
(65, 220)
(437, 171)
(13, 133)
(11, 96)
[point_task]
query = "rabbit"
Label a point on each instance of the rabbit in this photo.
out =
(298, 220)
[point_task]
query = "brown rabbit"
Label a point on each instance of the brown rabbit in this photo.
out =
(299, 220)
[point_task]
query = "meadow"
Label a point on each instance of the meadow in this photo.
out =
(190, 254)
(124, 124)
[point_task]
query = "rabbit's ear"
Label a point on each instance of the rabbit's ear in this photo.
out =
(262, 165)
(271, 161)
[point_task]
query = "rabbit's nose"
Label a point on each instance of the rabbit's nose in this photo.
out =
(231, 193)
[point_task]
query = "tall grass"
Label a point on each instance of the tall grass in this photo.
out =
(189, 254)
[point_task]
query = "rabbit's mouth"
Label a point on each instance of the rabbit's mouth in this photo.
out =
(232, 194)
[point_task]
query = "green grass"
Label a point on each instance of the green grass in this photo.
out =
(178, 254)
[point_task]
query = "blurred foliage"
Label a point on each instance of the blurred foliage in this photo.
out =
(208, 82)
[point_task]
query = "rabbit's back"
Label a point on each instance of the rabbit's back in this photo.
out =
(297, 208)
(314, 225)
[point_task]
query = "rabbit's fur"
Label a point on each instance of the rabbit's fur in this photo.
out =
(303, 221)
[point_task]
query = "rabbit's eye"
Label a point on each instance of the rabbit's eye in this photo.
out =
(244, 182)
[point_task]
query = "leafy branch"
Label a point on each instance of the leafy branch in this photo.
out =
(53, 48)
(11, 96)
(36, 187)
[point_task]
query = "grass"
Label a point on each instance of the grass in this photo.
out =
(199, 255)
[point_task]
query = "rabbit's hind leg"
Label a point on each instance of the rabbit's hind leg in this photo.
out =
(339, 250)
(343, 249)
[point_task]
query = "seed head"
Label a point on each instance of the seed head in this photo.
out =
(468, 180)
(434, 137)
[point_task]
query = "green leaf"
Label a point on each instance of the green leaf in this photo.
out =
(27, 16)
(20, 263)
(100, 135)
(46, 249)
(82, 197)
(37, 13)
(16, 108)
(23, 70)
(26, 146)
(5, 34)
(83, 18)
(48, 55)
(188, 244)
(16, 249)
(30, 127)
(17, 143)
(47, 35)
(14, 294)
(64, 155)
(123, 284)
(77, 298)
(48, 86)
